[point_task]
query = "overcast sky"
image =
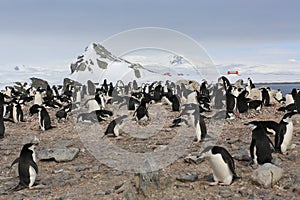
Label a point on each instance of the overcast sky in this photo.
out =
(53, 33)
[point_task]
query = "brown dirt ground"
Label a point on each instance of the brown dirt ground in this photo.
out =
(87, 178)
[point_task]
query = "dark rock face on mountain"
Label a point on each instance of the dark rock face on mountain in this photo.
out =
(95, 55)
(37, 82)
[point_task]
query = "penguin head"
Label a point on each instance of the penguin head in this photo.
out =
(287, 117)
(29, 146)
(207, 152)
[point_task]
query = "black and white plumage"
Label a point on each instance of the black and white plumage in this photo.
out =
(17, 113)
(142, 110)
(296, 97)
(27, 167)
(44, 119)
(192, 110)
(260, 148)
(221, 163)
(265, 97)
(115, 126)
(284, 135)
(242, 102)
(271, 127)
(255, 104)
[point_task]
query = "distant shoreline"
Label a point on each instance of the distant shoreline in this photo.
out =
(277, 83)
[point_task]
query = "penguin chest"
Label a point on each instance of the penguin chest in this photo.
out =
(198, 131)
(287, 138)
(32, 176)
(38, 99)
(221, 171)
(15, 118)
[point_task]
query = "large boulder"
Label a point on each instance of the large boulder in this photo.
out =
(267, 175)
(60, 154)
(37, 82)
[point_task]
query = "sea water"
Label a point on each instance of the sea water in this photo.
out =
(284, 87)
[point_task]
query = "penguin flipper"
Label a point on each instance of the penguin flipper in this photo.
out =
(34, 165)
(15, 161)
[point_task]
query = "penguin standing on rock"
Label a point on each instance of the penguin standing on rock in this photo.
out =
(283, 137)
(221, 163)
(2, 127)
(27, 167)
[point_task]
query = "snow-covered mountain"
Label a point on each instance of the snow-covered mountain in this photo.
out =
(96, 63)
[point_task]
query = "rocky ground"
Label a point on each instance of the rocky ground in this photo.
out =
(87, 177)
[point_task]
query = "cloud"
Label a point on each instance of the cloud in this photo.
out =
(293, 60)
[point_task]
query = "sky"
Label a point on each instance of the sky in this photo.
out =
(51, 34)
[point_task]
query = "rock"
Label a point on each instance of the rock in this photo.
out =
(242, 155)
(37, 82)
(58, 154)
(232, 140)
(129, 195)
(2, 191)
(267, 175)
(147, 183)
(195, 159)
(187, 177)
(226, 193)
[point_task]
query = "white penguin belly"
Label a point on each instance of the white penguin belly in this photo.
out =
(32, 176)
(15, 114)
(287, 137)
(220, 169)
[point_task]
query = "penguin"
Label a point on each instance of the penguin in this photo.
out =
(296, 97)
(250, 85)
(255, 104)
(38, 98)
(44, 119)
(260, 149)
(99, 97)
(271, 127)
(142, 110)
(221, 163)
(197, 121)
(265, 97)
(241, 102)
(230, 103)
(34, 109)
(17, 113)
(61, 114)
(115, 126)
(175, 103)
(284, 135)
(27, 167)
(2, 127)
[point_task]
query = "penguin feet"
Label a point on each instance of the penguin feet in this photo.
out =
(214, 183)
